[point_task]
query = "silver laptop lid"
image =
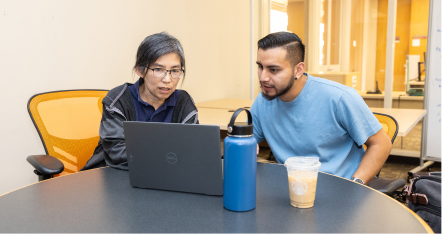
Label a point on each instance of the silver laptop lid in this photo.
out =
(176, 157)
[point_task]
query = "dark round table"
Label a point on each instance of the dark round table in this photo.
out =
(102, 200)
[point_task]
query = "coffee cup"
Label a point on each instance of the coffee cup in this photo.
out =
(302, 176)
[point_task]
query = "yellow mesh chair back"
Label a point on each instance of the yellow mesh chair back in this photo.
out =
(68, 123)
(386, 185)
(389, 124)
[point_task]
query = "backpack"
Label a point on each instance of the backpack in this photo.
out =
(423, 197)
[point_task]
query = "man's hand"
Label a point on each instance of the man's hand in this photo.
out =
(257, 149)
(378, 149)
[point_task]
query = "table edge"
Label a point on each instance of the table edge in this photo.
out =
(427, 228)
(1, 195)
(424, 224)
(421, 116)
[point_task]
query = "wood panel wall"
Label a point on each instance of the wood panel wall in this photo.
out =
(295, 14)
(401, 45)
(411, 20)
(419, 26)
(356, 35)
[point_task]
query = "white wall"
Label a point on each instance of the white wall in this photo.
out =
(48, 45)
(261, 28)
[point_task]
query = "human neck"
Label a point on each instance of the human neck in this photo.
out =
(296, 89)
(148, 97)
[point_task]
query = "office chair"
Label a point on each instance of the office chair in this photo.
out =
(68, 123)
(385, 185)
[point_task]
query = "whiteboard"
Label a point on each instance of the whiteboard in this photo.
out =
(431, 131)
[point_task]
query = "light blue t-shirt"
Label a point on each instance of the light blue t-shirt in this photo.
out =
(327, 120)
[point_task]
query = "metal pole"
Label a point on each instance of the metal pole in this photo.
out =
(389, 62)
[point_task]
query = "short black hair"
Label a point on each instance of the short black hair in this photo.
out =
(289, 41)
(155, 46)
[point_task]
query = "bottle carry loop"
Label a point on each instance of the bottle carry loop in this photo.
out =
(242, 129)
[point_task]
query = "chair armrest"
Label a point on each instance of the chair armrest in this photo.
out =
(46, 164)
(385, 185)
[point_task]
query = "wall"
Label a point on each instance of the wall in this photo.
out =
(419, 26)
(401, 47)
(50, 45)
(411, 19)
(356, 35)
(381, 45)
(295, 13)
(261, 28)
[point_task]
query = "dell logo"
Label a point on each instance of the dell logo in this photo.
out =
(171, 158)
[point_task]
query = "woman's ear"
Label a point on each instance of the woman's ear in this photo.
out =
(140, 71)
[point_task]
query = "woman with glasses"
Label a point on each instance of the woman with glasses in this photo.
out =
(160, 64)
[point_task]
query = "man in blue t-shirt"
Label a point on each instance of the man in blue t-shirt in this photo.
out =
(302, 115)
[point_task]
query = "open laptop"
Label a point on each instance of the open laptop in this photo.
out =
(175, 157)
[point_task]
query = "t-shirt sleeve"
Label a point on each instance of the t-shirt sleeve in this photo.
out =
(257, 130)
(355, 116)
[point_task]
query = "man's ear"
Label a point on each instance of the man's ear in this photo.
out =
(299, 70)
(140, 71)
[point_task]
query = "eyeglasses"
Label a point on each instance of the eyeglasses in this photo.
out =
(160, 73)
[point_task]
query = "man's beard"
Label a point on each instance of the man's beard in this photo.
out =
(279, 93)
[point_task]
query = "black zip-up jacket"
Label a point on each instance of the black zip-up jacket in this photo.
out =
(118, 106)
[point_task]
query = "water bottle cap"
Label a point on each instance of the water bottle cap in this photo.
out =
(240, 128)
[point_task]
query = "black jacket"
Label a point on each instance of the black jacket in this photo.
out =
(118, 106)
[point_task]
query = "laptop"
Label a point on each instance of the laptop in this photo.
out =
(175, 157)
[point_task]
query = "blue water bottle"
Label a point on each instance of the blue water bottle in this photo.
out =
(240, 165)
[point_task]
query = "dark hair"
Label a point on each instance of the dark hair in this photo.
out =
(157, 45)
(289, 41)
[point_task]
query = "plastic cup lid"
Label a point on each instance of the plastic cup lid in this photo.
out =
(303, 163)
